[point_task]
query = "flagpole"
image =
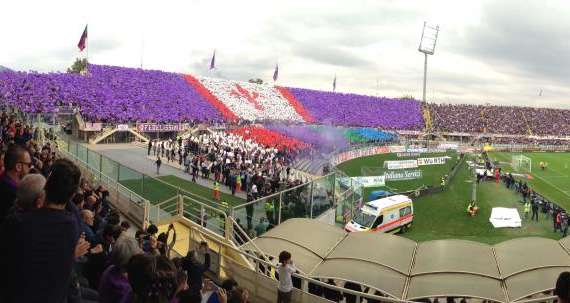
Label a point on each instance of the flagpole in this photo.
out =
(142, 49)
(87, 40)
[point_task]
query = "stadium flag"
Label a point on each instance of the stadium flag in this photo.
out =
(334, 83)
(213, 61)
(82, 40)
(276, 72)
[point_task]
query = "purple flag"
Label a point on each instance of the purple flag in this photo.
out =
(213, 62)
(82, 40)
(276, 72)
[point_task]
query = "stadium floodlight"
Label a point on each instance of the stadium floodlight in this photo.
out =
(427, 47)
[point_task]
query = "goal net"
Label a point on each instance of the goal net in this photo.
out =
(521, 163)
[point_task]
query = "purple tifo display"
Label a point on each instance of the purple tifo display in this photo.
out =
(360, 110)
(110, 94)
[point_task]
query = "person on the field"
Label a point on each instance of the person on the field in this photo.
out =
(526, 209)
(541, 165)
(158, 162)
(534, 207)
(216, 191)
(472, 208)
(563, 223)
(557, 220)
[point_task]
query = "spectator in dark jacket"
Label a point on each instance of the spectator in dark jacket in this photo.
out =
(17, 163)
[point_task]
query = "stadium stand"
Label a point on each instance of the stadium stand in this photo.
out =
(491, 119)
(119, 95)
(360, 110)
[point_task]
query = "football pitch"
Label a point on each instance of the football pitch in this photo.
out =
(553, 182)
(444, 215)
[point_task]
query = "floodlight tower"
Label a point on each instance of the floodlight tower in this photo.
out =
(427, 47)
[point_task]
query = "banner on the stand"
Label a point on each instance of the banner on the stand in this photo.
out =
(403, 164)
(370, 181)
(432, 161)
(155, 128)
(401, 175)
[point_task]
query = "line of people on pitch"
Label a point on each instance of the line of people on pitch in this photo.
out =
(535, 203)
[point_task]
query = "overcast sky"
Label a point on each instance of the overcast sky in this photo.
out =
(499, 52)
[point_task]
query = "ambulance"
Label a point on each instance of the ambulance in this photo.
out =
(391, 214)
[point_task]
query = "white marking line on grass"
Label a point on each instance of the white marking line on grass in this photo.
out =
(560, 189)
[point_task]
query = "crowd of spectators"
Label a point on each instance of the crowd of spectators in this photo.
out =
(512, 120)
(229, 159)
(63, 242)
(525, 140)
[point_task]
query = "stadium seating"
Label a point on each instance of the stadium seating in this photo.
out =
(118, 95)
(511, 120)
(110, 94)
(359, 110)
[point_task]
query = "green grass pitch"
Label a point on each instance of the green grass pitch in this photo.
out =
(443, 215)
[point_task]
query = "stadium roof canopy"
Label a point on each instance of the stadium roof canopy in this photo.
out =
(506, 272)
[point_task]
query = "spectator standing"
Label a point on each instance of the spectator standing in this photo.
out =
(331, 294)
(17, 163)
(158, 162)
(534, 210)
(149, 147)
(196, 268)
(30, 194)
(153, 279)
(41, 244)
(114, 286)
(562, 288)
(285, 268)
(350, 298)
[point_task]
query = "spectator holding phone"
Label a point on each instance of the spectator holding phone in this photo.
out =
(285, 268)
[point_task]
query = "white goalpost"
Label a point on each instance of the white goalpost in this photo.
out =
(521, 163)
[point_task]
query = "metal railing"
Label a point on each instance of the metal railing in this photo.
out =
(129, 202)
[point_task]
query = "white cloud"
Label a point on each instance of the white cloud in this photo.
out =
(478, 56)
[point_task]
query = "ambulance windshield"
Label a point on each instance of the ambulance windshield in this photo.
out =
(364, 219)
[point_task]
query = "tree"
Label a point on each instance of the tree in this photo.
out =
(256, 81)
(410, 97)
(78, 66)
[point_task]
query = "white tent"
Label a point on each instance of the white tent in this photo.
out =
(505, 217)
